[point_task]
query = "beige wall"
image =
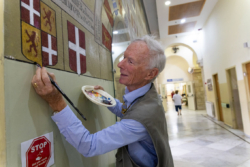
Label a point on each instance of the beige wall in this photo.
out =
(28, 116)
(244, 101)
(185, 41)
(2, 111)
(212, 98)
(24, 115)
(176, 67)
(223, 36)
(199, 90)
(183, 52)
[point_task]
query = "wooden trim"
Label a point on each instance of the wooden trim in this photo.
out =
(230, 93)
(204, 1)
(244, 69)
(217, 94)
(248, 77)
(181, 28)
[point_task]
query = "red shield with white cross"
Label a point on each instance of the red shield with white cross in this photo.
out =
(77, 52)
(30, 12)
(39, 153)
(49, 49)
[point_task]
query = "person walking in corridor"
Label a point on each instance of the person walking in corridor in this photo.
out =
(172, 94)
(141, 136)
(177, 102)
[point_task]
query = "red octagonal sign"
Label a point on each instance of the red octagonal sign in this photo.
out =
(39, 153)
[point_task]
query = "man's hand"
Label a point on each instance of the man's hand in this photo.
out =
(46, 90)
(98, 87)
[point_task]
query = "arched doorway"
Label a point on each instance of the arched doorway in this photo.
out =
(182, 66)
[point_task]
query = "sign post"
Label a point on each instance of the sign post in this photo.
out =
(38, 152)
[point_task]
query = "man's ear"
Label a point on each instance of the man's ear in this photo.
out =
(152, 73)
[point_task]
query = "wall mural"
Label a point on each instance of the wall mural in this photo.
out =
(68, 35)
(77, 54)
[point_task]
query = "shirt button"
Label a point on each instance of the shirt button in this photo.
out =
(56, 122)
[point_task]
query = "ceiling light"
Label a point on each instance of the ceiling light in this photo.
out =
(190, 70)
(167, 3)
(115, 32)
(183, 20)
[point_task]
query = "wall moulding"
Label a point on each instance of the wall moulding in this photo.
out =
(2, 101)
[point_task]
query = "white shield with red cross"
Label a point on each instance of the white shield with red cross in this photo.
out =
(30, 12)
(77, 52)
(38, 152)
(49, 49)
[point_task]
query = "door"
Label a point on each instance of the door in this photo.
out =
(217, 96)
(235, 98)
(248, 74)
(191, 96)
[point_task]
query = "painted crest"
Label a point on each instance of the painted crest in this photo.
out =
(108, 12)
(30, 12)
(120, 7)
(49, 41)
(77, 52)
(106, 38)
(49, 49)
(39, 42)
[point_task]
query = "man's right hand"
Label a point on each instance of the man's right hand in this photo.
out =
(46, 90)
(98, 87)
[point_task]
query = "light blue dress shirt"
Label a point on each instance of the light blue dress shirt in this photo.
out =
(126, 132)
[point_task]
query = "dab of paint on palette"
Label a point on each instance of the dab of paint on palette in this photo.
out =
(99, 97)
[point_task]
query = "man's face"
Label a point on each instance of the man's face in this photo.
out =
(134, 66)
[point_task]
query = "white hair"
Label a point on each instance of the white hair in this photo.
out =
(157, 57)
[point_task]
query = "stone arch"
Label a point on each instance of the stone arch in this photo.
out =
(195, 57)
(177, 64)
(179, 57)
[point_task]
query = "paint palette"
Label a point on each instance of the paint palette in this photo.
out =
(98, 97)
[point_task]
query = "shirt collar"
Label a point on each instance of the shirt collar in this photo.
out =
(129, 97)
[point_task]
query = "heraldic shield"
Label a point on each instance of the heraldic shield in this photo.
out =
(108, 12)
(77, 52)
(106, 38)
(39, 43)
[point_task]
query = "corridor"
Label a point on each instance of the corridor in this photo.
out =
(197, 141)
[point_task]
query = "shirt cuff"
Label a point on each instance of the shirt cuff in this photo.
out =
(112, 108)
(64, 118)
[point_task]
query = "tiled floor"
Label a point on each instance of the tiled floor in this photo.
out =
(197, 141)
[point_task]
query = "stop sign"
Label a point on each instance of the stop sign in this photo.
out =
(39, 153)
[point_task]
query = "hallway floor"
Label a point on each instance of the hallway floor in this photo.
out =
(196, 141)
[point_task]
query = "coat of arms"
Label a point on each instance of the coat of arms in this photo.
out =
(39, 43)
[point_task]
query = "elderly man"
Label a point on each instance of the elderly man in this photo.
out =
(141, 136)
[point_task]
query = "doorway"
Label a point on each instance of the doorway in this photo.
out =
(191, 96)
(217, 96)
(235, 99)
(182, 89)
(170, 87)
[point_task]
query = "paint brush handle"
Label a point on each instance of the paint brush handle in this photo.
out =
(64, 95)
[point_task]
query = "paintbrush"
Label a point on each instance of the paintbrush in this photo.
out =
(64, 95)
